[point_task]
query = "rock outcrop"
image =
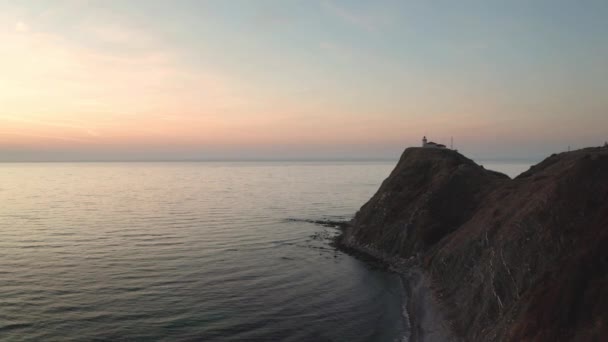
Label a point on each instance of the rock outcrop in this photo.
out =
(509, 259)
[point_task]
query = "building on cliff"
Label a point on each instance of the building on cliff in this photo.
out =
(430, 144)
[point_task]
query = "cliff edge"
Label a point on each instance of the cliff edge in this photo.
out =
(508, 259)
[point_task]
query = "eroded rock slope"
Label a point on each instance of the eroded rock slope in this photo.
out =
(510, 259)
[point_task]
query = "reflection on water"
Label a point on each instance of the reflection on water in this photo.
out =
(187, 251)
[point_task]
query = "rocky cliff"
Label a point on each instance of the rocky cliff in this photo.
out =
(509, 259)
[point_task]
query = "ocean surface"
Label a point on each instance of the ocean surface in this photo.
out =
(201, 251)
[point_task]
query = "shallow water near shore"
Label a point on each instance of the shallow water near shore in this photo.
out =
(189, 251)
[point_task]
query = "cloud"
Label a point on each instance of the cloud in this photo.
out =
(55, 124)
(93, 133)
(22, 27)
(337, 50)
(52, 87)
(44, 136)
(361, 21)
(116, 34)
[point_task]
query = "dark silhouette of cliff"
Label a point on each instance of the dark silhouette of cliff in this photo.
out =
(509, 259)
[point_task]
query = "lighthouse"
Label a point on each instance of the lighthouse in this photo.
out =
(430, 144)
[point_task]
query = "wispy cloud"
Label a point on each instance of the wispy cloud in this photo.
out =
(121, 34)
(35, 123)
(53, 87)
(362, 21)
(337, 50)
(42, 122)
(44, 136)
(20, 26)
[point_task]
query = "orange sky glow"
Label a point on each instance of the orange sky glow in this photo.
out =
(111, 79)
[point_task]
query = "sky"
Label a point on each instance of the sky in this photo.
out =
(174, 80)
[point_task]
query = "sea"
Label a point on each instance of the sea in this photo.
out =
(191, 251)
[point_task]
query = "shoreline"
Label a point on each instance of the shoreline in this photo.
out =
(425, 318)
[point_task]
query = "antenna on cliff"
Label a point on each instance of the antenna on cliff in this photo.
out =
(451, 143)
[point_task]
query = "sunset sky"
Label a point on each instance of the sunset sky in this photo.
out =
(118, 80)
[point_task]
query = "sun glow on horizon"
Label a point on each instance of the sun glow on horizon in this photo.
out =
(96, 75)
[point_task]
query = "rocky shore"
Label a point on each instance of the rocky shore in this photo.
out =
(426, 321)
(489, 258)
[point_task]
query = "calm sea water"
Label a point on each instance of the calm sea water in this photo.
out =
(188, 252)
(509, 168)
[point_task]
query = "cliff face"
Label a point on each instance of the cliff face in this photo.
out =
(521, 259)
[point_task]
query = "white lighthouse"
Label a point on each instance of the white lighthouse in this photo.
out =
(430, 144)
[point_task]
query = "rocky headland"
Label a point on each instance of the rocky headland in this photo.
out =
(490, 258)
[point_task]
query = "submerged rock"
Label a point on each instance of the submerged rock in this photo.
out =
(509, 259)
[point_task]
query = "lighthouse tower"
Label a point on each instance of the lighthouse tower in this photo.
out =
(424, 141)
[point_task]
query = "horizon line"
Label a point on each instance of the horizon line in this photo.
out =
(253, 160)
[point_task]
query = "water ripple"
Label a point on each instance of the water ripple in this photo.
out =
(187, 251)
